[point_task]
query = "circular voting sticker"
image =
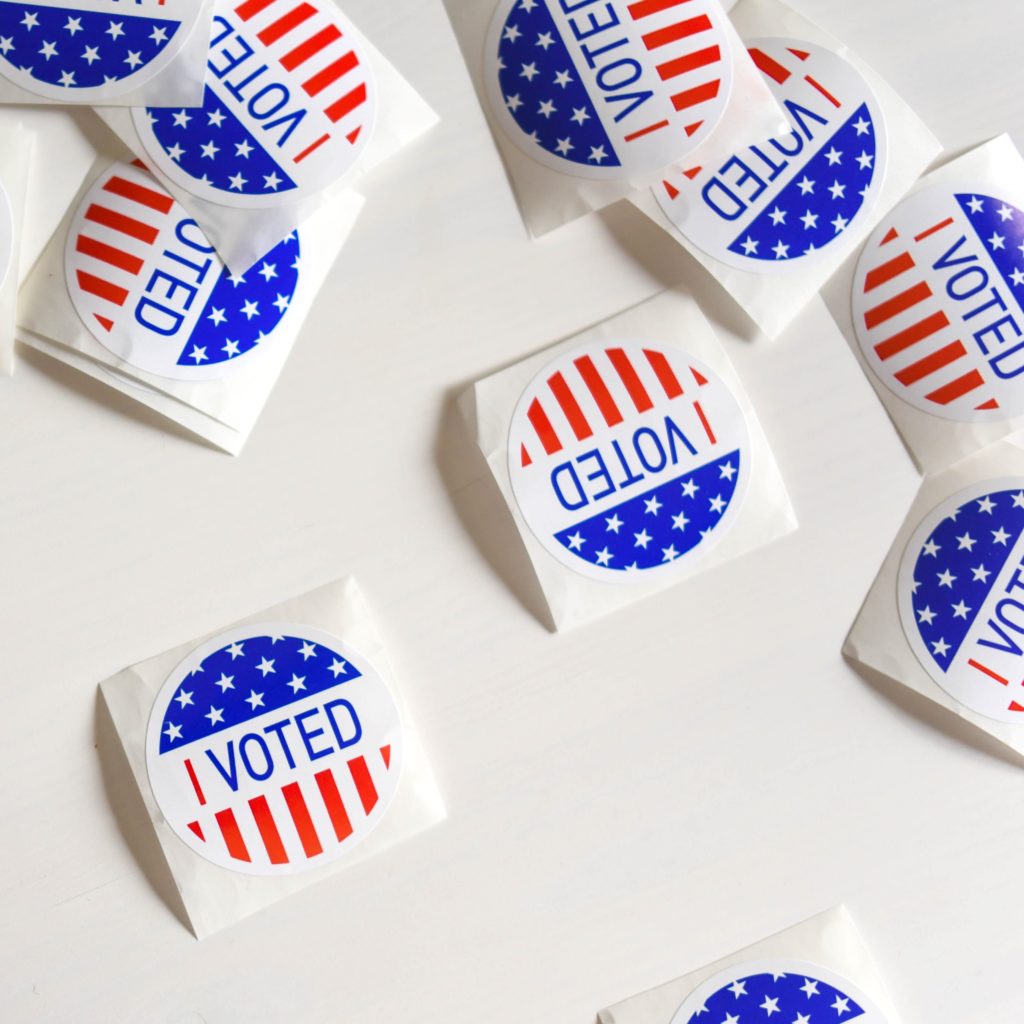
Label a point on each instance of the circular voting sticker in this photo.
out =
(272, 749)
(288, 108)
(608, 88)
(937, 303)
(961, 597)
(6, 236)
(90, 50)
(799, 992)
(628, 461)
(775, 202)
(150, 287)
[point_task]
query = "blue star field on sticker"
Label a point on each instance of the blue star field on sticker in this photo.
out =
(74, 48)
(816, 208)
(245, 680)
(543, 92)
(213, 146)
(1000, 227)
(958, 566)
(782, 998)
(659, 525)
(243, 309)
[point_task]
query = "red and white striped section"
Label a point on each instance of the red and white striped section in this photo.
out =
(603, 390)
(122, 221)
(910, 334)
(321, 57)
(299, 821)
(685, 40)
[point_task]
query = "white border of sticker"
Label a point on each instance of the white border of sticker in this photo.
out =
(7, 254)
(393, 732)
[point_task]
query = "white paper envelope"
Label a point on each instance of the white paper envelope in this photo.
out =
(15, 163)
(934, 309)
(101, 52)
(273, 754)
(819, 970)
(130, 291)
(944, 616)
(630, 458)
(299, 107)
(591, 102)
(774, 220)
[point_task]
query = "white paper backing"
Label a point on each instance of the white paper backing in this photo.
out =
(549, 199)
(180, 84)
(877, 640)
(15, 164)
(213, 896)
(223, 411)
(935, 442)
(830, 939)
(773, 300)
(671, 319)
(242, 236)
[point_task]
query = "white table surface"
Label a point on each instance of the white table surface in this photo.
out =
(627, 801)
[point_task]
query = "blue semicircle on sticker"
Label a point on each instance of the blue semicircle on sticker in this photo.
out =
(543, 91)
(659, 526)
(244, 308)
(958, 566)
(1000, 229)
(212, 146)
(248, 679)
(817, 206)
(792, 996)
(66, 46)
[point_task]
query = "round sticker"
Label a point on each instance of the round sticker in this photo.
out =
(628, 461)
(961, 597)
(150, 287)
(273, 748)
(788, 991)
(90, 50)
(772, 204)
(288, 108)
(6, 236)
(937, 303)
(608, 88)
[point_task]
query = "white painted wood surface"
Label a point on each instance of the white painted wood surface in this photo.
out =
(627, 801)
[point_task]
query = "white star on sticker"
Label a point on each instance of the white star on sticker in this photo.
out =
(30, 21)
(614, 523)
(926, 615)
(215, 715)
(865, 160)
(181, 119)
(281, 302)
(680, 521)
(986, 504)
(840, 224)
(966, 543)
(597, 154)
(73, 25)
(266, 667)
(91, 55)
(173, 732)
(250, 309)
(512, 34)
(579, 115)
(810, 220)
(563, 146)
(158, 35)
(834, 157)
(563, 78)
(49, 50)
(980, 574)
(777, 215)
(809, 988)
(862, 126)
(669, 554)
(940, 647)
(727, 472)
(604, 556)
(930, 548)
(243, 148)
(230, 348)
(175, 152)
(267, 270)
(544, 40)
(1005, 213)
(651, 505)
(841, 1005)
(946, 578)
(1017, 276)
(198, 353)
(781, 250)
(805, 185)
(225, 682)
(513, 102)
(235, 650)
(575, 541)
(738, 988)
(217, 316)
(115, 30)
(547, 108)
(6, 44)
(960, 610)
(997, 241)
(338, 668)
(717, 504)
(297, 683)
(237, 181)
(690, 488)
(642, 539)
(1018, 500)
(67, 78)
(529, 72)
(307, 650)
(1000, 536)
(185, 698)
(838, 191)
(976, 205)
(254, 700)
(770, 1006)
(215, 117)
(749, 247)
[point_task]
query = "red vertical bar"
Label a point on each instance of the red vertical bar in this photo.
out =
(364, 783)
(542, 425)
(303, 822)
(268, 830)
(570, 407)
(663, 371)
(635, 387)
(334, 804)
(232, 836)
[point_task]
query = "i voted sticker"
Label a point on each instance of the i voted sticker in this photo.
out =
(961, 597)
(273, 749)
(150, 287)
(790, 991)
(288, 108)
(91, 50)
(937, 303)
(779, 201)
(6, 236)
(609, 88)
(628, 460)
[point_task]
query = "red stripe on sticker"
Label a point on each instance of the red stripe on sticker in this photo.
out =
(912, 335)
(195, 782)
(542, 425)
(992, 675)
(663, 371)
(197, 830)
(891, 235)
(349, 102)
(633, 384)
(690, 62)
(119, 222)
(956, 388)
(887, 271)
(570, 407)
(309, 149)
(334, 804)
(303, 822)
(694, 97)
(645, 131)
(140, 194)
(264, 819)
(108, 254)
(364, 783)
(310, 48)
(931, 363)
(897, 304)
(286, 23)
(101, 288)
(325, 77)
(598, 390)
(645, 8)
(680, 30)
(704, 423)
(232, 836)
(824, 92)
(932, 230)
(251, 8)
(769, 66)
